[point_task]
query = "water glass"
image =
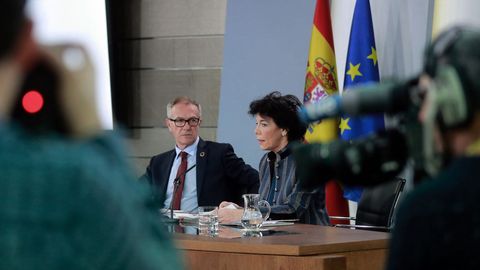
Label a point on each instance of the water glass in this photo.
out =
(208, 219)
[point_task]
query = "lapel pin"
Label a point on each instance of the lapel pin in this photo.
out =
(202, 154)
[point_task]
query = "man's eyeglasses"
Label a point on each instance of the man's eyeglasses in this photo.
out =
(193, 122)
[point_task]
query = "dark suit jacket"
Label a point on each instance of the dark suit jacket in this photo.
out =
(221, 175)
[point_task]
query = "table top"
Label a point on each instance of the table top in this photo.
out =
(296, 240)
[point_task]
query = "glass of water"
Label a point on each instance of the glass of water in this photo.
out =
(208, 219)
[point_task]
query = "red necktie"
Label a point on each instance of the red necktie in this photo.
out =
(177, 196)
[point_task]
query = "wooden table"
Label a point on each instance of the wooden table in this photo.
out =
(304, 247)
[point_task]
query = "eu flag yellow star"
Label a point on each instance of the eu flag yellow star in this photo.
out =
(344, 125)
(373, 56)
(354, 71)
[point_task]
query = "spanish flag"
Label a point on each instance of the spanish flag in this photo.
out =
(321, 82)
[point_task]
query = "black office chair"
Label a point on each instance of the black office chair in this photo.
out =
(376, 207)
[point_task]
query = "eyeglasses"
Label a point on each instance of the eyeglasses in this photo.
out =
(193, 122)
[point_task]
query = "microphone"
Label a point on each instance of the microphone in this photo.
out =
(176, 183)
(369, 99)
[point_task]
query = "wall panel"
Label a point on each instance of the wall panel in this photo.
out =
(163, 49)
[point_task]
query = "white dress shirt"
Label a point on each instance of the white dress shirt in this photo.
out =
(189, 196)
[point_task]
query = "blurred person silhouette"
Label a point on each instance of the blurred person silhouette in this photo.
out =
(68, 197)
(276, 126)
(438, 223)
(196, 172)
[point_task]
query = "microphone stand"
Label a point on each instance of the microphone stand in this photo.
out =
(176, 183)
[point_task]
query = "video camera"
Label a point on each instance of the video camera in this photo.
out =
(372, 159)
(58, 94)
(450, 76)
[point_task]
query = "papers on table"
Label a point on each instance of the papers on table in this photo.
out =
(275, 223)
(179, 214)
(268, 223)
(186, 216)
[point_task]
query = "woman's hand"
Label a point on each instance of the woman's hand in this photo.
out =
(229, 212)
(228, 205)
(227, 215)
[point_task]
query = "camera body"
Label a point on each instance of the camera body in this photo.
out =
(58, 95)
(38, 106)
(367, 161)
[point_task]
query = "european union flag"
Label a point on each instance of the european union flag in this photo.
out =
(361, 68)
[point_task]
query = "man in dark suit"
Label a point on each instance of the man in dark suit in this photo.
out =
(197, 172)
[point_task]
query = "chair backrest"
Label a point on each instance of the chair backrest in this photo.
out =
(377, 204)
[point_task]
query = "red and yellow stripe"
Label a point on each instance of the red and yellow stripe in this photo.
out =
(321, 77)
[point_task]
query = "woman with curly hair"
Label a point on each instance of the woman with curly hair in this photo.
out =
(276, 127)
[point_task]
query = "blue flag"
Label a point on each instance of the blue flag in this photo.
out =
(361, 68)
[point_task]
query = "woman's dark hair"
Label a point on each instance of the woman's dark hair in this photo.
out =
(283, 111)
(12, 19)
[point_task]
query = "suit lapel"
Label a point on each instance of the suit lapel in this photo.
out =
(165, 174)
(202, 154)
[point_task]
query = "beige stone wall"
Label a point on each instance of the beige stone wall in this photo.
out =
(168, 48)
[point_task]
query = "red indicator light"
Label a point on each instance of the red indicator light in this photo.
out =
(32, 101)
